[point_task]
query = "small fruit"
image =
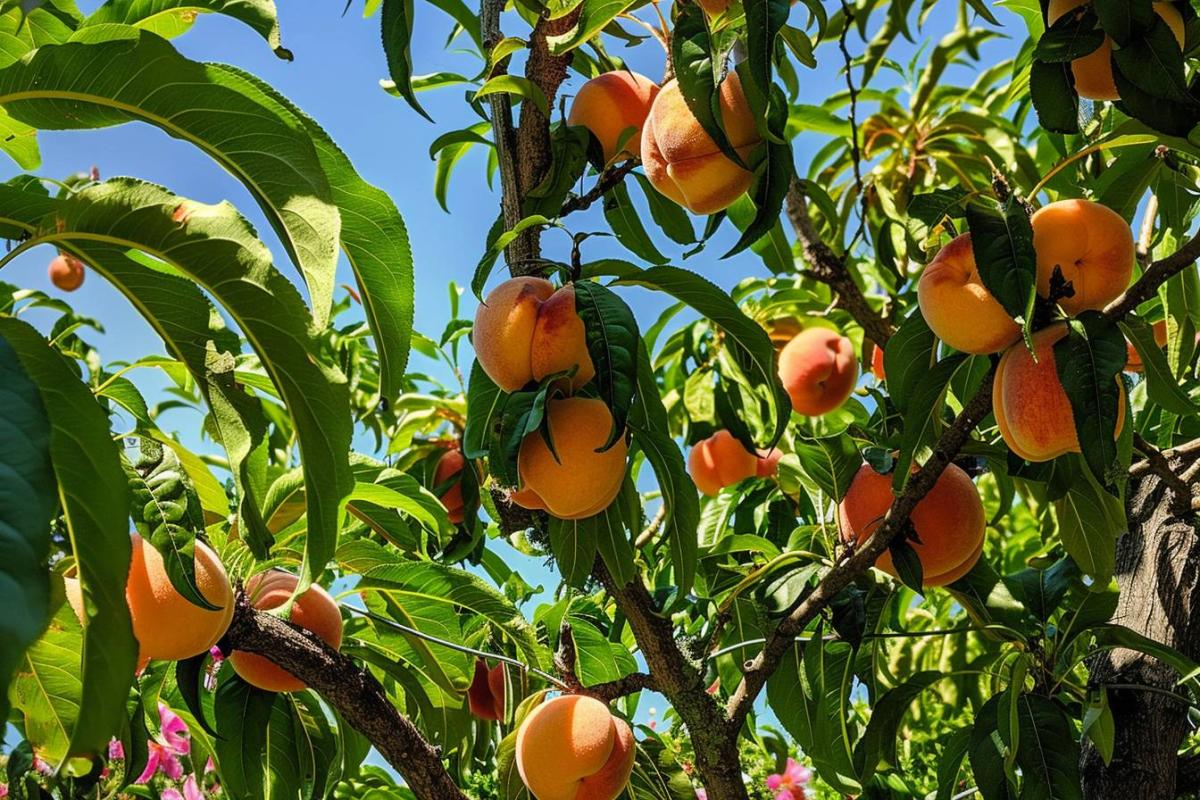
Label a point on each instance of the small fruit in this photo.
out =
(720, 461)
(818, 369)
(450, 466)
(486, 695)
(1091, 245)
(956, 305)
(66, 272)
(877, 364)
(573, 748)
(611, 104)
(314, 610)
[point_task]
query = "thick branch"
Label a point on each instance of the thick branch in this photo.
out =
(862, 557)
(504, 136)
(828, 268)
(1159, 465)
(1155, 275)
(353, 691)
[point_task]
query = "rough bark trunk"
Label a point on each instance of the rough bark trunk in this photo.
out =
(1158, 570)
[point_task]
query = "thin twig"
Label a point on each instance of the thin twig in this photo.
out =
(652, 529)
(1161, 467)
(565, 660)
(855, 151)
(610, 177)
(1143, 467)
(1155, 275)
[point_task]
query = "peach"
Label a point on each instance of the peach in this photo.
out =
(714, 8)
(819, 369)
(74, 591)
(949, 522)
(582, 481)
(166, 624)
(956, 305)
(1093, 72)
(877, 364)
(450, 465)
(720, 461)
(486, 695)
(1133, 362)
(525, 330)
(1093, 247)
(572, 748)
(782, 330)
(527, 498)
(66, 272)
(314, 610)
(683, 162)
(611, 104)
(1031, 407)
(768, 462)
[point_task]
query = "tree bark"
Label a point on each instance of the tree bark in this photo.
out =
(1158, 570)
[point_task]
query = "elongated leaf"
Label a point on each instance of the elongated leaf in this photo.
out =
(1089, 360)
(1047, 750)
(243, 714)
(593, 16)
(521, 87)
(1160, 383)
(574, 548)
(908, 357)
(396, 19)
(764, 19)
(47, 687)
(27, 502)
(923, 421)
(697, 71)
(878, 745)
(626, 224)
(1002, 240)
(830, 463)
(169, 18)
(611, 334)
(1089, 522)
(144, 79)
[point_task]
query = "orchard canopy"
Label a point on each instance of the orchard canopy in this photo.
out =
(762, 399)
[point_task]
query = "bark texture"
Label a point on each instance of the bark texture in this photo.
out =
(1158, 569)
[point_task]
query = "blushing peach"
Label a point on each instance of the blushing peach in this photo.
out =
(66, 272)
(486, 695)
(720, 461)
(314, 610)
(956, 305)
(819, 369)
(451, 465)
(559, 341)
(877, 364)
(573, 748)
(949, 522)
(768, 462)
(1094, 72)
(681, 159)
(611, 104)
(581, 481)
(1093, 247)
(1031, 407)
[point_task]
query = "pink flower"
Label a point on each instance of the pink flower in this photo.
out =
(789, 785)
(214, 666)
(170, 793)
(209, 766)
(116, 750)
(164, 754)
(701, 794)
(191, 789)
(3, 790)
(174, 731)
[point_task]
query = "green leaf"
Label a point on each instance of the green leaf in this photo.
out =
(1002, 241)
(923, 420)
(1089, 360)
(986, 755)
(1109, 636)
(47, 688)
(764, 19)
(573, 543)
(57, 89)
(170, 18)
(396, 21)
(484, 401)
(1121, 18)
(1047, 750)
(877, 747)
(1089, 522)
(1099, 725)
(830, 463)
(1160, 383)
(1072, 36)
(95, 505)
(626, 224)
(907, 358)
(515, 84)
(1149, 73)
(696, 70)
(502, 239)
(950, 763)
(243, 715)
(29, 501)
(772, 177)
(667, 214)
(611, 334)
(1052, 89)
(451, 147)
(593, 16)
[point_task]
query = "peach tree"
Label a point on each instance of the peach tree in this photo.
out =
(913, 515)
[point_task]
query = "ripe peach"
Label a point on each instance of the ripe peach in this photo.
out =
(74, 591)
(527, 498)
(314, 610)
(684, 163)
(581, 482)
(720, 461)
(1093, 247)
(768, 462)
(525, 330)
(819, 369)
(714, 8)
(66, 272)
(1133, 362)
(451, 465)
(486, 695)
(610, 104)
(949, 522)
(1093, 72)
(167, 625)
(1032, 410)
(877, 364)
(572, 748)
(956, 305)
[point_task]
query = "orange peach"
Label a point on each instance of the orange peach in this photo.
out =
(582, 481)
(714, 8)
(877, 364)
(167, 625)
(486, 695)
(768, 462)
(720, 461)
(314, 610)
(1093, 247)
(573, 748)
(1032, 410)
(525, 330)
(1133, 361)
(949, 522)
(450, 465)
(956, 305)
(1093, 72)
(681, 159)
(611, 104)
(819, 369)
(66, 272)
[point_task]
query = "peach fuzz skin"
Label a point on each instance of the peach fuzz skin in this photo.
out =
(1093, 247)
(949, 522)
(573, 748)
(314, 610)
(1031, 407)
(818, 369)
(66, 272)
(449, 465)
(720, 461)
(610, 104)
(1094, 72)
(957, 306)
(166, 624)
(581, 482)
(684, 163)
(525, 330)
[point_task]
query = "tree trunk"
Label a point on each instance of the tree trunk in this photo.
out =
(1158, 570)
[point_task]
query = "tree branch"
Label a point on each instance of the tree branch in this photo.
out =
(1155, 275)
(564, 662)
(861, 558)
(353, 691)
(1181, 492)
(504, 136)
(609, 178)
(829, 268)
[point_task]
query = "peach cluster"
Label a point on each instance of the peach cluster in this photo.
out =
(818, 369)
(720, 461)
(573, 748)
(949, 522)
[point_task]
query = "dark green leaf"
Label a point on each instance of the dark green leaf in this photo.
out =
(626, 223)
(1089, 360)
(1052, 88)
(1160, 383)
(611, 333)
(1072, 36)
(1002, 241)
(697, 70)
(396, 19)
(243, 714)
